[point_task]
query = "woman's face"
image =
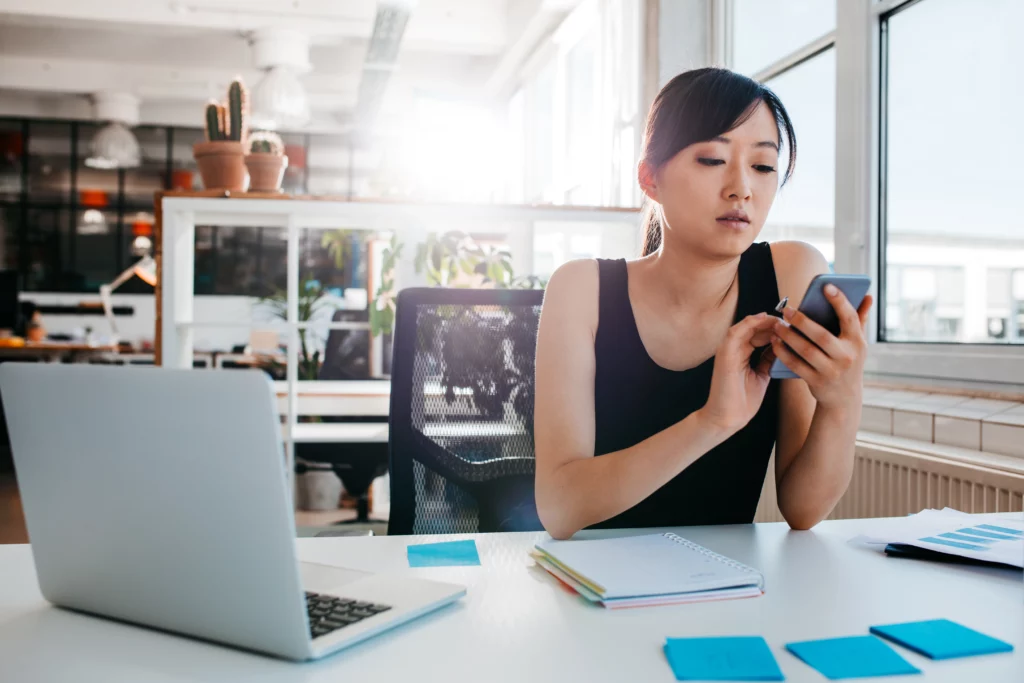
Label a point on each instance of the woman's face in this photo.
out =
(715, 195)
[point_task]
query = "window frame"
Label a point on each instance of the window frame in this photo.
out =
(591, 19)
(860, 187)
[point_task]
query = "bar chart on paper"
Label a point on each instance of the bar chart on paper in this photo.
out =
(980, 538)
(1001, 541)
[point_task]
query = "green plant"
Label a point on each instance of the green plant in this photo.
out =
(495, 264)
(311, 301)
(382, 308)
(238, 111)
(338, 244)
(528, 282)
(266, 142)
(229, 121)
(214, 122)
(444, 258)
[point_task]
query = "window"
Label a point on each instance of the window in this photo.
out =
(765, 31)
(925, 303)
(295, 174)
(805, 207)
(12, 144)
(581, 109)
(581, 181)
(952, 226)
(67, 227)
(1004, 315)
(140, 184)
(540, 138)
(49, 162)
(554, 243)
(516, 122)
(49, 239)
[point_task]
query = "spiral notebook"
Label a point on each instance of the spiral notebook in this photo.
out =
(655, 569)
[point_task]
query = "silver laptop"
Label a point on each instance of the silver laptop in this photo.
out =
(159, 497)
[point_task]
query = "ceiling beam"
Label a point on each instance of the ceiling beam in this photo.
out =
(473, 28)
(529, 28)
(149, 82)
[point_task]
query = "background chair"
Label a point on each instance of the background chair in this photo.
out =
(461, 418)
(347, 352)
(347, 357)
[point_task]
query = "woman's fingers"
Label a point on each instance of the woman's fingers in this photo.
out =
(764, 363)
(849, 318)
(809, 351)
(763, 337)
(741, 336)
(864, 311)
(824, 339)
(793, 361)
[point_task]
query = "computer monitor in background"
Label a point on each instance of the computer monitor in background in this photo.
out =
(9, 307)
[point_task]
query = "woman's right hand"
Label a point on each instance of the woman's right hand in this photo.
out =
(737, 389)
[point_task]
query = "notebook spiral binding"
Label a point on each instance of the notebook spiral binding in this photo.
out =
(712, 554)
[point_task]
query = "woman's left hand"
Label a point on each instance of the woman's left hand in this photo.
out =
(832, 366)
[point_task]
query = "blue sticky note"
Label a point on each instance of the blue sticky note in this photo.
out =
(745, 658)
(450, 554)
(941, 639)
(853, 657)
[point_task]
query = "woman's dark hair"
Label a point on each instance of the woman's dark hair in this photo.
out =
(699, 105)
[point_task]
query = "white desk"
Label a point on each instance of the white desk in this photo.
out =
(517, 624)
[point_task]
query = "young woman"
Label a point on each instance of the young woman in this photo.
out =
(653, 401)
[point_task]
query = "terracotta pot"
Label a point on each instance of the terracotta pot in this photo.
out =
(265, 171)
(221, 165)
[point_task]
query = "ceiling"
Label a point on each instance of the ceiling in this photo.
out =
(176, 54)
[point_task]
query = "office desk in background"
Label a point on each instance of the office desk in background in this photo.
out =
(518, 624)
(352, 398)
(54, 352)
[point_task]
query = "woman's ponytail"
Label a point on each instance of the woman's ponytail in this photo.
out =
(652, 228)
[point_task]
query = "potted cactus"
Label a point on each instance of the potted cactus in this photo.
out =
(266, 162)
(220, 156)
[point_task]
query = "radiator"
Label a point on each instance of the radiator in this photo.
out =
(892, 482)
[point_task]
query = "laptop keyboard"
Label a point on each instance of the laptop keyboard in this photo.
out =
(329, 613)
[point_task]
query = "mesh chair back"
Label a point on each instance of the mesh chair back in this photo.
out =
(462, 387)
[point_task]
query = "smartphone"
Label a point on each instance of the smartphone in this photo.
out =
(816, 306)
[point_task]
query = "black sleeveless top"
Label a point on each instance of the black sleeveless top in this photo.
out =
(635, 398)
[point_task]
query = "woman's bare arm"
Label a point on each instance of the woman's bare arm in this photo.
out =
(815, 444)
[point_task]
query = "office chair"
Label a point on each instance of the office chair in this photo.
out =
(461, 429)
(347, 352)
(347, 357)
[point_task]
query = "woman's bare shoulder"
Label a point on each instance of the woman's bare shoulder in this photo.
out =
(796, 264)
(572, 292)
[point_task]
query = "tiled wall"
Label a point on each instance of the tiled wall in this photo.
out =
(973, 423)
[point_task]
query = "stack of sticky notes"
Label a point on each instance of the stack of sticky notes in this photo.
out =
(744, 658)
(748, 658)
(446, 554)
(941, 639)
(853, 657)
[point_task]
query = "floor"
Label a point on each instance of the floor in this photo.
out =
(12, 520)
